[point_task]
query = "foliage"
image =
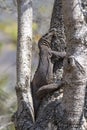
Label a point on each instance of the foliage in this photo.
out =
(3, 80)
(35, 26)
(42, 9)
(10, 29)
(10, 127)
(1, 45)
(3, 95)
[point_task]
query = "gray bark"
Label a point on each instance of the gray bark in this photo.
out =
(57, 22)
(58, 43)
(48, 114)
(56, 111)
(75, 65)
(24, 116)
(84, 8)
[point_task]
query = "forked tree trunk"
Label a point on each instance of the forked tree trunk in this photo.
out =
(53, 114)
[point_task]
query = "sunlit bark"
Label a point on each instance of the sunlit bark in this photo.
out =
(24, 116)
(75, 65)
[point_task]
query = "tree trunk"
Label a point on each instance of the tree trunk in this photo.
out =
(57, 22)
(24, 116)
(75, 65)
(55, 112)
(50, 111)
(58, 42)
(84, 8)
(49, 114)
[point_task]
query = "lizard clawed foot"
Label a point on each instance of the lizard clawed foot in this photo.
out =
(59, 54)
(44, 90)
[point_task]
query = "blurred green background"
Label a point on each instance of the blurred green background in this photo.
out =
(8, 42)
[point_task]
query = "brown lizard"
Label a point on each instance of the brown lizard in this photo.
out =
(44, 73)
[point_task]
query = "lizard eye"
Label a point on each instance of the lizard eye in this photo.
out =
(69, 63)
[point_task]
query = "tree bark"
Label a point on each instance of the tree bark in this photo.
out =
(57, 22)
(24, 116)
(49, 111)
(75, 65)
(57, 111)
(58, 42)
(84, 8)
